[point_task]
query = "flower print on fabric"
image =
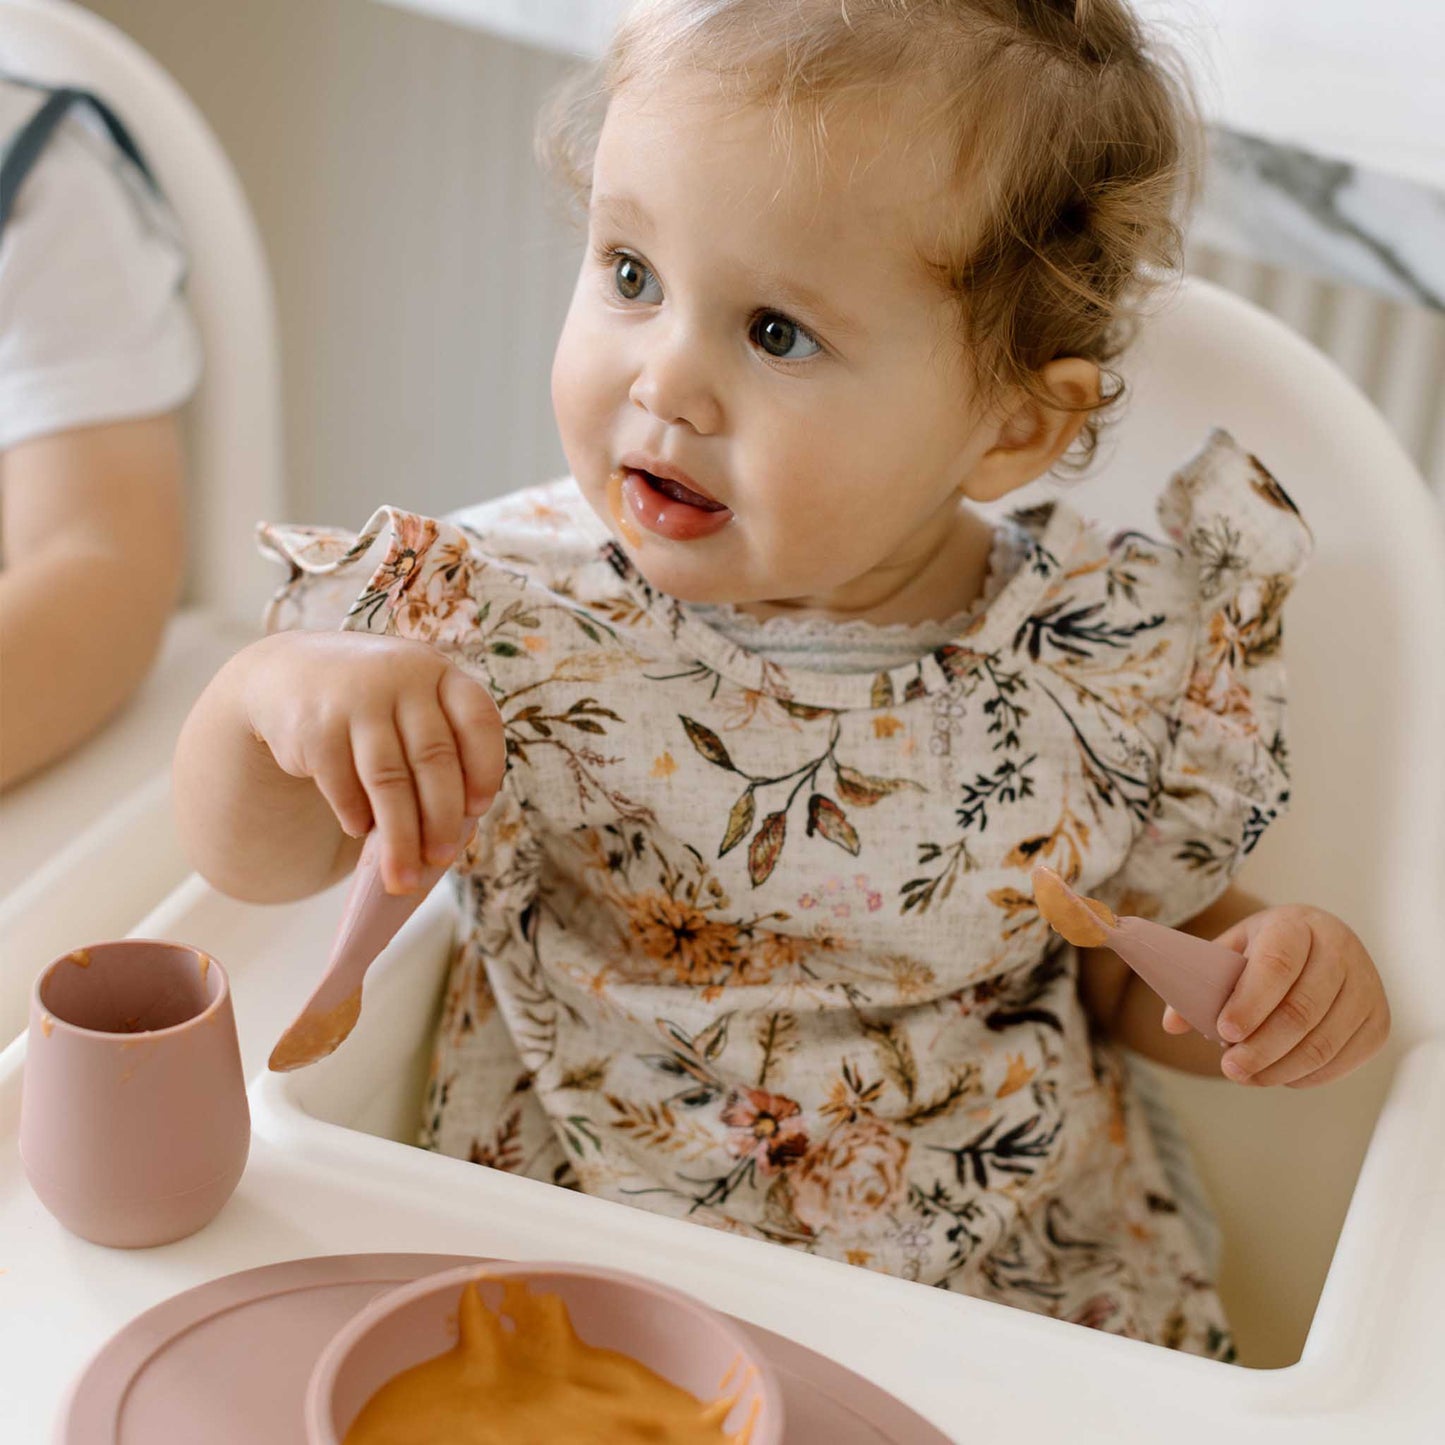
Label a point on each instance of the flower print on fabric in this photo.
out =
(749, 945)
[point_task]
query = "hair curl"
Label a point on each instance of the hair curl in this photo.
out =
(1075, 141)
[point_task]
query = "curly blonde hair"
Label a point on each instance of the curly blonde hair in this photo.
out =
(1075, 138)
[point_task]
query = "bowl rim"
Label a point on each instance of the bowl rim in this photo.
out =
(322, 1381)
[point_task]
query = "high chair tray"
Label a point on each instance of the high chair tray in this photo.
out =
(229, 1361)
(330, 1173)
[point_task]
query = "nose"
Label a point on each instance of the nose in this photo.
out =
(675, 383)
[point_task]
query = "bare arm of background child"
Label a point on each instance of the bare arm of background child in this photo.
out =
(94, 552)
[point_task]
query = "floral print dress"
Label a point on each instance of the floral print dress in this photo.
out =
(754, 946)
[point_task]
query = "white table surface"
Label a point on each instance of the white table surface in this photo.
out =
(1358, 80)
(982, 1372)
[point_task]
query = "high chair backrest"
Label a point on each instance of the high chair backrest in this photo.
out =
(234, 421)
(1365, 836)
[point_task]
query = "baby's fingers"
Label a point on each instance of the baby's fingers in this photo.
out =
(331, 767)
(431, 753)
(1359, 1048)
(382, 767)
(478, 728)
(1266, 1060)
(1275, 957)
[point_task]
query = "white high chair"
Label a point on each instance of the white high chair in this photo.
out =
(72, 868)
(1365, 835)
(1365, 648)
(331, 1169)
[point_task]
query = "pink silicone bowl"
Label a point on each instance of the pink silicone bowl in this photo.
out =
(681, 1339)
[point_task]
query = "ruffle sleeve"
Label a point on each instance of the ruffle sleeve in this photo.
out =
(1223, 774)
(416, 577)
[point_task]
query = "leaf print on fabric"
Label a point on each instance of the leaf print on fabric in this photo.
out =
(691, 1060)
(824, 816)
(864, 791)
(739, 821)
(767, 847)
(707, 743)
(1008, 783)
(1013, 1152)
(920, 893)
(777, 1036)
(827, 818)
(1262, 480)
(1078, 631)
(658, 1126)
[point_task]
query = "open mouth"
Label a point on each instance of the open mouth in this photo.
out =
(677, 492)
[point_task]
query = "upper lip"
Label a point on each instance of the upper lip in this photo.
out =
(641, 462)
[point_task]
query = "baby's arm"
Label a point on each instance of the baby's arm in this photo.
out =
(306, 740)
(94, 550)
(1308, 1008)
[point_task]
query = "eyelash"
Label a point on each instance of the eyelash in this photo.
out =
(607, 258)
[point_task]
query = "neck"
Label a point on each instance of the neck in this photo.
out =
(938, 573)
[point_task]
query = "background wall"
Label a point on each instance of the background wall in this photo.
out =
(423, 268)
(421, 271)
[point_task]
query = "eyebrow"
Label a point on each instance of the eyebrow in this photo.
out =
(626, 211)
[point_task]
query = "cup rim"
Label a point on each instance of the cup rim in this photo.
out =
(40, 1011)
(328, 1364)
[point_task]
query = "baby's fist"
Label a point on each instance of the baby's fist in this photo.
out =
(1309, 1006)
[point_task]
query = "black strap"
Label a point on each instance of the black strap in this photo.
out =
(35, 135)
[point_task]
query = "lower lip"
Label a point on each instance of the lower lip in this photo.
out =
(661, 515)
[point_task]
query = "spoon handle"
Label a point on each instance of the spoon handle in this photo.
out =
(371, 918)
(1192, 975)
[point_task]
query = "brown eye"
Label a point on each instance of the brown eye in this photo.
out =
(631, 276)
(778, 336)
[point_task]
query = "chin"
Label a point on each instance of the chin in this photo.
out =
(685, 584)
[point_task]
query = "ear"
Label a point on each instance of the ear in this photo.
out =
(1031, 437)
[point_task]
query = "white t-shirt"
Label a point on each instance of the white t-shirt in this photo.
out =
(93, 324)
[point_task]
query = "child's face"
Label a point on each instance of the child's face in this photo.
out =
(769, 331)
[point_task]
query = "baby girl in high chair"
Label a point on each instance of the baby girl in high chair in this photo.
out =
(766, 726)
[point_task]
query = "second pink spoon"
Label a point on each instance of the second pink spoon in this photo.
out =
(1192, 975)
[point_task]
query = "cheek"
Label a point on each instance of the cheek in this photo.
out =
(570, 383)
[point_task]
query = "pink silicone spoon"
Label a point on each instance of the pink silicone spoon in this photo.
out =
(372, 918)
(1193, 976)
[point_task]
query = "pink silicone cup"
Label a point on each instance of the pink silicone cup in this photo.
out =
(667, 1331)
(134, 1128)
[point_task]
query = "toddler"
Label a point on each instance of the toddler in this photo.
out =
(767, 726)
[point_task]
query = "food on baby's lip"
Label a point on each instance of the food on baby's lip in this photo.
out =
(537, 1384)
(1081, 921)
(615, 505)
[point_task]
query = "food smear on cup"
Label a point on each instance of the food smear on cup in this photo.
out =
(537, 1383)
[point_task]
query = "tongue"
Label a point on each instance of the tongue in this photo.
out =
(680, 493)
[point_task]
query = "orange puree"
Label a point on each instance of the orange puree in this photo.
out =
(1078, 919)
(618, 508)
(537, 1384)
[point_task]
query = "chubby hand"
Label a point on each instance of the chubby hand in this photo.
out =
(394, 736)
(1309, 1006)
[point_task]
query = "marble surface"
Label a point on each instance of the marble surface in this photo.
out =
(1327, 123)
(1291, 207)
